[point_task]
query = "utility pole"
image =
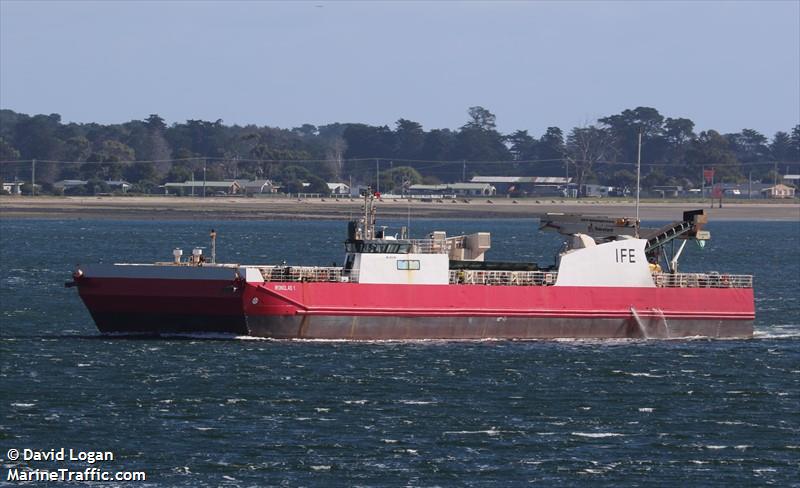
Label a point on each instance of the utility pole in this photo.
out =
(463, 171)
(204, 178)
(750, 185)
(703, 183)
(775, 175)
(33, 177)
(638, 179)
(712, 188)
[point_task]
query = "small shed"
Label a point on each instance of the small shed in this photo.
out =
(778, 191)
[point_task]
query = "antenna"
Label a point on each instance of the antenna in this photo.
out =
(408, 224)
(638, 180)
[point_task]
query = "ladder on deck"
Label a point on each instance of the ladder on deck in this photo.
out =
(667, 234)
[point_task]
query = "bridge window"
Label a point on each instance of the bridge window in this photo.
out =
(408, 264)
(378, 247)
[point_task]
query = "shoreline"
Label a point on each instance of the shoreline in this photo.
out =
(233, 208)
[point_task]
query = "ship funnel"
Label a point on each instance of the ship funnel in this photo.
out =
(177, 253)
(197, 255)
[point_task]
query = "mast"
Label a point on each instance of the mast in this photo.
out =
(369, 215)
(638, 180)
(366, 213)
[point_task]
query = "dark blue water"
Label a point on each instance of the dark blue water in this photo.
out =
(200, 412)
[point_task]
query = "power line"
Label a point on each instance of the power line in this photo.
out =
(431, 162)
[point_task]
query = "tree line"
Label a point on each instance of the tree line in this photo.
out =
(149, 152)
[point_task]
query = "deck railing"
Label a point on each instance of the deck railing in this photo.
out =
(702, 280)
(304, 273)
(504, 278)
(428, 246)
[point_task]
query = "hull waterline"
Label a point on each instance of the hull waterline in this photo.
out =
(481, 328)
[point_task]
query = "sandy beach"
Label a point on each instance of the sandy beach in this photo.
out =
(224, 208)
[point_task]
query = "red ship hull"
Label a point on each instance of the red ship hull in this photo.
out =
(353, 311)
(183, 301)
(370, 312)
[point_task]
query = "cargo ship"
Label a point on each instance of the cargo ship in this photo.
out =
(611, 279)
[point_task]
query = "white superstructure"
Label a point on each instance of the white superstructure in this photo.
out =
(616, 263)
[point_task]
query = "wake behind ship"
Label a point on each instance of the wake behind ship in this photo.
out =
(607, 282)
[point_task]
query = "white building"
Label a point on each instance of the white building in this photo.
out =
(256, 187)
(119, 184)
(69, 184)
(13, 187)
(338, 188)
(528, 185)
(778, 191)
(455, 189)
(198, 187)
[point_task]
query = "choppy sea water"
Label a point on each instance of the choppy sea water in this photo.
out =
(204, 411)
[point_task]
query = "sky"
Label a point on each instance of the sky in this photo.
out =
(726, 65)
